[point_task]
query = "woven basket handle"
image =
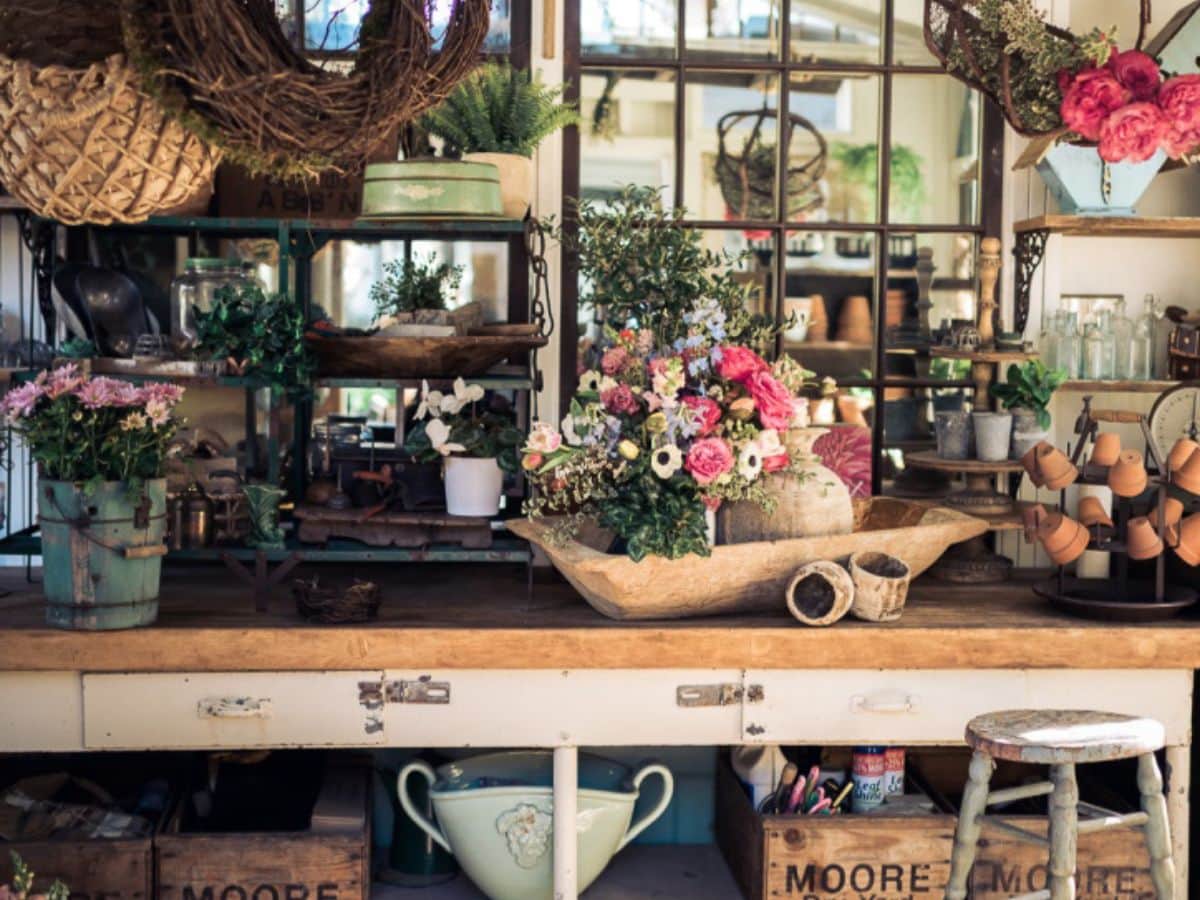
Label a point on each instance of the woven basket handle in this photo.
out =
(86, 102)
(1143, 21)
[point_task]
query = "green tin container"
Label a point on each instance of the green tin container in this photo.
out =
(431, 189)
(102, 553)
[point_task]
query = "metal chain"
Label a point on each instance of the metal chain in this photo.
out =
(541, 309)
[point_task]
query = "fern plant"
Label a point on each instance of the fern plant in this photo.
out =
(499, 109)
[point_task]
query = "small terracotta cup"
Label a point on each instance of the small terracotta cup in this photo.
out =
(1127, 477)
(1170, 512)
(1055, 470)
(1106, 449)
(1143, 541)
(1180, 453)
(1029, 461)
(1188, 548)
(1063, 539)
(1091, 513)
(1187, 476)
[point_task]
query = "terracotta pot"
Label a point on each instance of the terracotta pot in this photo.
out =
(1187, 476)
(1054, 469)
(880, 586)
(897, 300)
(1030, 461)
(516, 180)
(1092, 512)
(854, 321)
(1188, 548)
(1127, 476)
(820, 593)
(1106, 449)
(1143, 541)
(849, 411)
(1169, 515)
(1032, 517)
(1180, 453)
(818, 320)
(1063, 539)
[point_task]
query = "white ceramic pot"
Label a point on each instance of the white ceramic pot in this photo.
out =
(473, 486)
(495, 813)
(516, 180)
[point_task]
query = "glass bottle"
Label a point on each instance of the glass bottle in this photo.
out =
(196, 289)
(1141, 353)
(1069, 356)
(1108, 364)
(1162, 338)
(1093, 352)
(1122, 332)
(1048, 340)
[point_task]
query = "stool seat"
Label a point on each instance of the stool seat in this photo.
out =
(1056, 736)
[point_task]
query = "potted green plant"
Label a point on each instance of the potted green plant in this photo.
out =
(259, 336)
(477, 446)
(1026, 391)
(411, 299)
(101, 450)
(498, 115)
(859, 166)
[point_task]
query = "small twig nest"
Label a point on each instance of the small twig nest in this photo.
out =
(330, 606)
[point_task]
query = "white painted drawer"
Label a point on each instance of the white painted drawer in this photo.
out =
(40, 712)
(229, 710)
(546, 708)
(933, 707)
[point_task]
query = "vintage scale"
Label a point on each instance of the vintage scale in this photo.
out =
(1119, 598)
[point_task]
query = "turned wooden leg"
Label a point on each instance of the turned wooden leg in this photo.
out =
(1064, 824)
(966, 836)
(1158, 831)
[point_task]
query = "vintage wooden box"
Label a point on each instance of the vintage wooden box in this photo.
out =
(889, 857)
(328, 861)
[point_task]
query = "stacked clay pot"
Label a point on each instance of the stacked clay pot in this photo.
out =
(1127, 476)
(1063, 539)
(1048, 467)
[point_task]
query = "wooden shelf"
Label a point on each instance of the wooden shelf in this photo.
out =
(928, 459)
(1118, 387)
(841, 346)
(987, 356)
(1112, 226)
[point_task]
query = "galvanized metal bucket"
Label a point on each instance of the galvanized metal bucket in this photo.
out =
(102, 553)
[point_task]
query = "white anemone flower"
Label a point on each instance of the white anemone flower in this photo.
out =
(431, 401)
(463, 395)
(750, 461)
(589, 381)
(666, 460)
(438, 433)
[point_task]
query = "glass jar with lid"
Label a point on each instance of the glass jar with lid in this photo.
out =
(196, 289)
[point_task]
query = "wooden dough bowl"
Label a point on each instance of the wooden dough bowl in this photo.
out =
(749, 577)
(382, 357)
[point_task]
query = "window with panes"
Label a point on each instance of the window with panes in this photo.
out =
(884, 155)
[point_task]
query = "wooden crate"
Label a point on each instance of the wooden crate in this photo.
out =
(329, 861)
(93, 870)
(885, 857)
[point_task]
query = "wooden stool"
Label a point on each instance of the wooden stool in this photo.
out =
(1061, 739)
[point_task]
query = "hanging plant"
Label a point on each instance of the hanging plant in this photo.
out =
(226, 69)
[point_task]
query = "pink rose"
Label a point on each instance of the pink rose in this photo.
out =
(1179, 99)
(1132, 133)
(1137, 73)
(619, 399)
(739, 363)
(1093, 95)
(614, 360)
(772, 400)
(706, 411)
(708, 459)
(775, 463)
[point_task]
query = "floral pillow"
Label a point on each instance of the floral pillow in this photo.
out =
(846, 450)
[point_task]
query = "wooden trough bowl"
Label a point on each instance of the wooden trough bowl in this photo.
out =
(409, 357)
(749, 577)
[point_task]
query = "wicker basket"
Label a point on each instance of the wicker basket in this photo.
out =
(87, 146)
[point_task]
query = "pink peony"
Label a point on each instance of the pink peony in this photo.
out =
(1092, 96)
(1132, 133)
(706, 411)
(619, 399)
(1137, 73)
(1179, 99)
(708, 459)
(614, 360)
(739, 363)
(772, 400)
(775, 463)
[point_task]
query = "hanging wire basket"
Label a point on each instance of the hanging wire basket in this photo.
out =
(747, 177)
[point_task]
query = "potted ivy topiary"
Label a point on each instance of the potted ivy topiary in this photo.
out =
(1026, 391)
(499, 114)
(412, 299)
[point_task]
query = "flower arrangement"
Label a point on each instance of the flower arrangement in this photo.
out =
(92, 430)
(21, 887)
(658, 435)
(455, 424)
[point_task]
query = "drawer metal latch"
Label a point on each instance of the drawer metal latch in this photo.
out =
(422, 691)
(690, 695)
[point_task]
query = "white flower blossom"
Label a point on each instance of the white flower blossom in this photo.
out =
(666, 460)
(438, 433)
(750, 462)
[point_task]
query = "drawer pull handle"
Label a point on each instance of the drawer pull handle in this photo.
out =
(885, 703)
(234, 708)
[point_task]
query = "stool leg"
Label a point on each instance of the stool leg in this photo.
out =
(1158, 831)
(1064, 835)
(966, 836)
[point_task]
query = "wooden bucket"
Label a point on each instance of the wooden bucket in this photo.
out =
(102, 553)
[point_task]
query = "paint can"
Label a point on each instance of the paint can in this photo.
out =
(869, 771)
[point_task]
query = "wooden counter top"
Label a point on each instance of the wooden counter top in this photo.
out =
(444, 617)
